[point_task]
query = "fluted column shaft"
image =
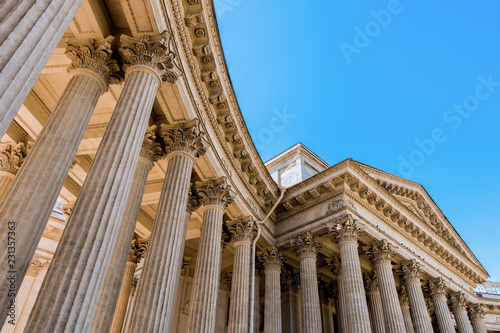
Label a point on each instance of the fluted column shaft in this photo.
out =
(67, 300)
(376, 311)
(34, 191)
(390, 303)
(22, 294)
(29, 33)
(272, 302)
(443, 315)
(207, 273)
(240, 287)
(479, 326)
(405, 308)
(307, 248)
(341, 305)
(272, 261)
(477, 313)
(157, 291)
(123, 297)
(6, 179)
(463, 322)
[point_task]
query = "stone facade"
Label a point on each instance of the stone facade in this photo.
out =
(123, 130)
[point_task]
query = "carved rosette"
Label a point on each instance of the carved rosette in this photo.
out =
(371, 283)
(477, 312)
(184, 137)
(137, 250)
(35, 267)
(153, 53)
(437, 288)
(381, 252)
(215, 192)
(151, 148)
(411, 271)
(12, 156)
(272, 259)
(459, 301)
(225, 281)
(346, 230)
(306, 245)
(94, 56)
(244, 230)
(335, 266)
(403, 296)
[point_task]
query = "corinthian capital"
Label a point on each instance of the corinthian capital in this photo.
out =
(137, 250)
(437, 288)
(371, 284)
(403, 296)
(272, 259)
(215, 192)
(306, 245)
(244, 230)
(154, 53)
(459, 301)
(346, 230)
(381, 252)
(12, 156)
(94, 56)
(185, 137)
(477, 312)
(411, 271)
(335, 266)
(35, 266)
(151, 148)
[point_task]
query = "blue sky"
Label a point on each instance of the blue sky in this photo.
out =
(409, 87)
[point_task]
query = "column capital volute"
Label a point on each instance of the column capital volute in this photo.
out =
(95, 58)
(12, 155)
(214, 192)
(306, 245)
(35, 266)
(243, 230)
(151, 149)
(346, 230)
(335, 266)
(477, 312)
(403, 296)
(458, 301)
(272, 259)
(411, 271)
(137, 250)
(437, 288)
(154, 54)
(381, 252)
(371, 283)
(184, 137)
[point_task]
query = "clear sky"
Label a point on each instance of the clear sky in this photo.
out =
(409, 87)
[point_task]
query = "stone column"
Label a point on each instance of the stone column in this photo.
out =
(477, 313)
(33, 193)
(307, 247)
(244, 232)
(22, 295)
(157, 293)
(272, 261)
(326, 296)
(214, 197)
(375, 304)
(382, 253)
(336, 267)
(438, 291)
(136, 253)
(347, 232)
(151, 152)
(68, 297)
(459, 307)
(290, 305)
(405, 308)
(411, 271)
(223, 301)
(31, 31)
(11, 157)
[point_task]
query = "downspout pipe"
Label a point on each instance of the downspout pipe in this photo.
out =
(252, 267)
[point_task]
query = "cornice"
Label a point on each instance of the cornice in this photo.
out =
(192, 52)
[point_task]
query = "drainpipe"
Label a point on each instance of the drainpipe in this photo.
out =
(252, 268)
